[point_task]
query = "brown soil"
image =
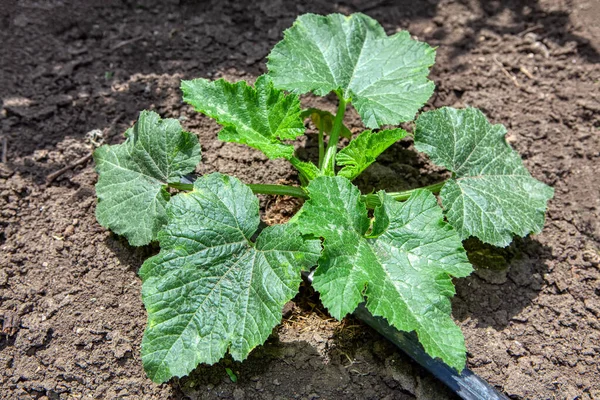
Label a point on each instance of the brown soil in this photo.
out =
(69, 293)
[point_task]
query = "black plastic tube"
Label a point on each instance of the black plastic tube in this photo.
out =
(467, 385)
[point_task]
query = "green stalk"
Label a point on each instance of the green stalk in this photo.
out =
(328, 167)
(321, 148)
(372, 200)
(279, 190)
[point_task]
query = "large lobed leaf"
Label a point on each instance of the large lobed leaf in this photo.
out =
(260, 116)
(364, 150)
(403, 266)
(491, 195)
(131, 189)
(210, 288)
(385, 77)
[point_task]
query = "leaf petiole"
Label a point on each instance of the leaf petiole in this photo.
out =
(279, 190)
(372, 200)
(321, 148)
(328, 166)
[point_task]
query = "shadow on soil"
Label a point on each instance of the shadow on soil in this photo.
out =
(260, 362)
(524, 17)
(90, 81)
(132, 257)
(505, 281)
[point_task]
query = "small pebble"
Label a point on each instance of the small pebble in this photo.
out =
(238, 394)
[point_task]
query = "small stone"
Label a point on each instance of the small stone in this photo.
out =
(238, 394)
(11, 323)
(122, 350)
(516, 349)
(69, 231)
(39, 113)
(40, 155)
(520, 318)
(3, 277)
(61, 100)
(21, 20)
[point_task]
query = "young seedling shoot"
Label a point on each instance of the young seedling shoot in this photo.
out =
(211, 289)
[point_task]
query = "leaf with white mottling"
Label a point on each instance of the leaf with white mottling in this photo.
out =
(385, 77)
(260, 116)
(131, 189)
(492, 195)
(403, 266)
(210, 289)
(364, 150)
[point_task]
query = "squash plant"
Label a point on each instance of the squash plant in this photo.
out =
(212, 289)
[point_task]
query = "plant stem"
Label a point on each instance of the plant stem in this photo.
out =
(328, 166)
(281, 190)
(321, 148)
(372, 200)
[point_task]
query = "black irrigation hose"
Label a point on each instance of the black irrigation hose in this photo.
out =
(467, 385)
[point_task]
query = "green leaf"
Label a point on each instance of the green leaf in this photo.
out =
(385, 77)
(259, 117)
(323, 120)
(364, 150)
(308, 170)
(210, 288)
(131, 189)
(403, 267)
(492, 195)
(232, 376)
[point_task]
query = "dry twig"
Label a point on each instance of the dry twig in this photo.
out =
(526, 72)
(508, 74)
(109, 132)
(530, 29)
(50, 178)
(125, 43)
(4, 150)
